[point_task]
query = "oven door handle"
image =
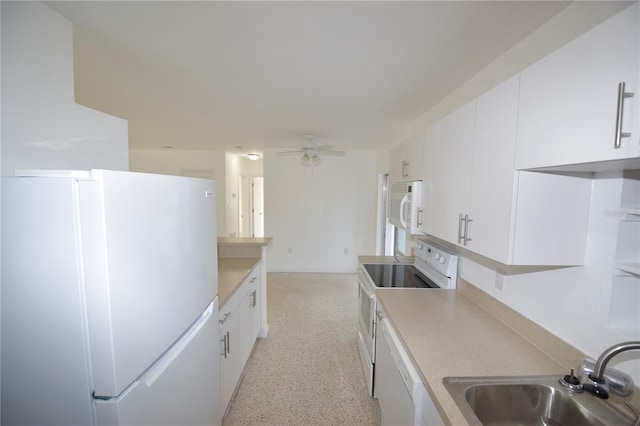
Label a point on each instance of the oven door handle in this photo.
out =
(366, 291)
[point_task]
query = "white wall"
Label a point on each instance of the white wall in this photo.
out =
(320, 213)
(574, 303)
(42, 126)
(205, 164)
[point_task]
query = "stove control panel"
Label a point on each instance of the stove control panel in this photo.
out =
(437, 258)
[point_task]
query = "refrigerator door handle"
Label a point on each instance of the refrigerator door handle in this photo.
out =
(158, 367)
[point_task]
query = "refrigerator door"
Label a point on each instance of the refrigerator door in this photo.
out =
(150, 268)
(45, 367)
(182, 388)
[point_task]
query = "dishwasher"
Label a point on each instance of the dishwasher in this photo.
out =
(398, 386)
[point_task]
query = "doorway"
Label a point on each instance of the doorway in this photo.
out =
(251, 206)
(384, 234)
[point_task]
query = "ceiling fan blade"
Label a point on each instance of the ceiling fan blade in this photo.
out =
(332, 153)
(291, 152)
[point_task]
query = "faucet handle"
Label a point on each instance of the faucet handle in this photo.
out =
(571, 382)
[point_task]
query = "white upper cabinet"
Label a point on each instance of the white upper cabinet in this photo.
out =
(520, 217)
(492, 184)
(405, 160)
(448, 156)
(473, 197)
(569, 100)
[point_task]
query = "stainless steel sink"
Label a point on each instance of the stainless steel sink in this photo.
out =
(532, 400)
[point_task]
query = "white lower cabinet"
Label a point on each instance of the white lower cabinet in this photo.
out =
(239, 327)
(250, 318)
(230, 360)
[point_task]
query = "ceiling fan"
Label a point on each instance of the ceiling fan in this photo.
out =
(311, 152)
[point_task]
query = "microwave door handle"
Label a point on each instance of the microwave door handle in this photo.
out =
(403, 207)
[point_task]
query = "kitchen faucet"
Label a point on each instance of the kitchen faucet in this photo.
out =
(596, 383)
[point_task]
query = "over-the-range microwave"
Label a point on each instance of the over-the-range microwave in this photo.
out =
(405, 206)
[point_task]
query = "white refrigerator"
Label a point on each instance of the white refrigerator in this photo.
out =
(109, 308)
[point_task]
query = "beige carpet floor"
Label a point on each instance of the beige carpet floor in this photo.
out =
(307, 371)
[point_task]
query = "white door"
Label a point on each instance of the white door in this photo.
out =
(258, 206)
(244, 207)
(150, 267)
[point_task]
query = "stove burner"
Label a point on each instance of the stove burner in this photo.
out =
(394, 275)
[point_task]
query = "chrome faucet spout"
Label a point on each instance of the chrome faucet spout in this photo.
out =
(597, 383)
(603, 360)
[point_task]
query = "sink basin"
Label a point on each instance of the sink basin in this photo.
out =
(532, 400)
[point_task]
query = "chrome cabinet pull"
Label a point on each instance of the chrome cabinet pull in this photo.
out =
(225, 341)
(254, 302)
(466, 228)
(463, 233)
(418, 217)
(224, 318)
(622, 95)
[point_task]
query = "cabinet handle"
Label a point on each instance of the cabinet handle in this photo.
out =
(225, 346)
(460, 228)
(418, 217)
(254, 302)
(466, 229)
(622, 95)
(252, 280)
(224, 318)
(228, 343)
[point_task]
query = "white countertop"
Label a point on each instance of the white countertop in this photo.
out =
(447, 334)
(244, 241)
(231, 273)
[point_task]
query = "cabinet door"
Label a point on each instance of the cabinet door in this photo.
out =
(448, 160)
(568, 100)
(256, 310)
(413, 159)
(247, 312)
(230, 362)
(395, 165)
(493, 175)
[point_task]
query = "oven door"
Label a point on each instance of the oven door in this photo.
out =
(367, 316)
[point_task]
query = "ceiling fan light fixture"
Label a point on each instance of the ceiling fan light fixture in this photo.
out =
(316, 160)
(253, 156)
(305, 160)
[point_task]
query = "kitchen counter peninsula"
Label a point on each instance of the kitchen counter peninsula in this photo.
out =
(242, 289)
(465, 332)
(232, 271)
(237, 259)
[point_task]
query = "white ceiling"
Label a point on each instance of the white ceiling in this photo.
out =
(214, 75)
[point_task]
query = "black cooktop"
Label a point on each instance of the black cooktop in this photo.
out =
(399, 276)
